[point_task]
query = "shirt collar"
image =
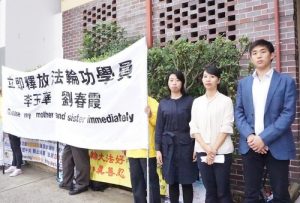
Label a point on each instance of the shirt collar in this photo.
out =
(213, 98)
(267, 75)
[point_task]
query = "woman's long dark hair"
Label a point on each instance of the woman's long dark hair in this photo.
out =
(180, 77)
(214, 70)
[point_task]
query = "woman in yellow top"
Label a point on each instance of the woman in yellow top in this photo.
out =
(138, 163)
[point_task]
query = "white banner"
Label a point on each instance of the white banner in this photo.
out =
(36, 150)
(89, 105)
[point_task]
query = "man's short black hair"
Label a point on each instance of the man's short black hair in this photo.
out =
(262, 42)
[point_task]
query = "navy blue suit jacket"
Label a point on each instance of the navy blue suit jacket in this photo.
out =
(279, 115)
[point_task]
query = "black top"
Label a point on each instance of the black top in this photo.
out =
(173, 115)
(172, 138)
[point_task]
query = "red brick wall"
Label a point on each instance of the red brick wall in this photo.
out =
(193, 20)
(72, 33)
(131, 15)
(76, 20)
(233, 19)
(255, 20)
(199, 19)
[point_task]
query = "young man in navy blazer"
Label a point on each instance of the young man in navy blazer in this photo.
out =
(265, 110)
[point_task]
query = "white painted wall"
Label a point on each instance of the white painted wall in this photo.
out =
(30, 35)
(2, 23)
(33, 33)
(69, 4)
(2, 43)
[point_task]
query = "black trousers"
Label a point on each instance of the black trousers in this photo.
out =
(80, 159)
(138, 177)
(216, 179)
(15, 144)
(187, 193)
(278, 170)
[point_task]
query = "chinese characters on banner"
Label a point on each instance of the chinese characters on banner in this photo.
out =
(110, 166)
(113, 167)
(89, 105)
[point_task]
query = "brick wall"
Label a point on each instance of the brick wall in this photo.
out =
(130, 15)
(72, 33)
(255, 20)
(233, 19)
(76, 20)
(199, 19)
(193, 20)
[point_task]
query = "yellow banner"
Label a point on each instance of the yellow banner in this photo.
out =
(113, 167)
(110, 167)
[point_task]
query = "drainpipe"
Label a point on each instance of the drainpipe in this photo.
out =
(149, 23)
(277, 35)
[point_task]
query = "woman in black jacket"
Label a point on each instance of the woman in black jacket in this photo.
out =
(173, 143)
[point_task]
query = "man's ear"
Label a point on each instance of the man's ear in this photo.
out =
(272, 55)
(250, 57)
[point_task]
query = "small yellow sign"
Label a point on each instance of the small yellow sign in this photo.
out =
(113, 167)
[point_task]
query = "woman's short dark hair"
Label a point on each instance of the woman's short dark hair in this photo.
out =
(180, 77)
(214, 70)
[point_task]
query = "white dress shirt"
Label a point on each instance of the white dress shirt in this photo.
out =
(210, 117)
(260, 90)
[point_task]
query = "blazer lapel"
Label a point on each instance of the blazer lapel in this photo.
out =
(250, 94)
(273, 86)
